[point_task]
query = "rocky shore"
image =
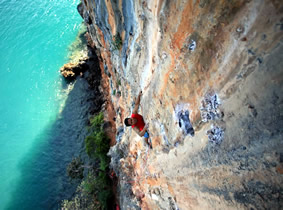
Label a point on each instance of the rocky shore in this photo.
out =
(85, 64)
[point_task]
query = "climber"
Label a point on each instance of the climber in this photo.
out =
(137, 122)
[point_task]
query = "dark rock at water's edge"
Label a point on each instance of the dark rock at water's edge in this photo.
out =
(93, 77)
(86, 17)
(80, 9)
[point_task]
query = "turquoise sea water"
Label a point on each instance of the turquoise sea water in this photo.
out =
(36, 143)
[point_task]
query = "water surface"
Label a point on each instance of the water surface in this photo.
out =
(41, 119)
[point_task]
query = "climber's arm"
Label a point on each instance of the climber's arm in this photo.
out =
(137, 103)
(142, 132)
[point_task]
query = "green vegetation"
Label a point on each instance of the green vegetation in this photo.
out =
(75, 169)
(96, 121)
(95, 191)
(100, 187)
(97, 143)
(117, 43)
(119, 82)
(84, 198)
(97, 146)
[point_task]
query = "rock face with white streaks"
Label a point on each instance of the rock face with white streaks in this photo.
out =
(211, 75)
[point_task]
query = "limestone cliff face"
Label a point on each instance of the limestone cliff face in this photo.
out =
(211, 75)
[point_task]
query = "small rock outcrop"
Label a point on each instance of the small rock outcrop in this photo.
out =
(71, 70)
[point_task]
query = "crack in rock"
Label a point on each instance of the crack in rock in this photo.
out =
(185, 123)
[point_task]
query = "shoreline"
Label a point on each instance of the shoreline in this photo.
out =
(87, 65)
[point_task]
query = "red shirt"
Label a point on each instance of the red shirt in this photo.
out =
(140, 123)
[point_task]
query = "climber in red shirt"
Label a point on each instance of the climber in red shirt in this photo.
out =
(137, 122)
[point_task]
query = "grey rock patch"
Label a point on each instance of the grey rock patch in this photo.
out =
(209, 109)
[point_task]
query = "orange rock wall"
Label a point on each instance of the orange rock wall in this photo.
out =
(176, 52)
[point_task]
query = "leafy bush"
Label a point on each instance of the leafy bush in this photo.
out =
(97, 145)
(89, 183)
(104, 162)
(95, 191)
(103, 189)
(90, 146)
(96, 121)
(84, 197)
(75, 169)
(100, 186)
